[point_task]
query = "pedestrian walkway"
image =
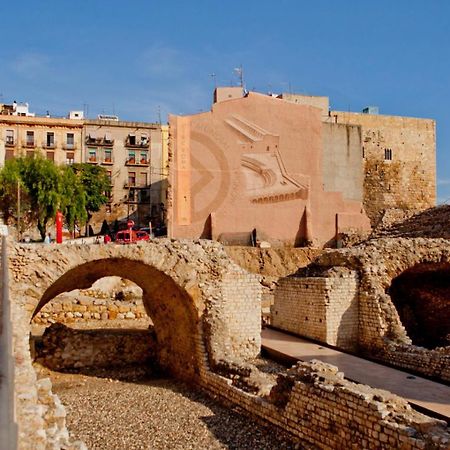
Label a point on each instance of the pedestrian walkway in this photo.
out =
(429, 395)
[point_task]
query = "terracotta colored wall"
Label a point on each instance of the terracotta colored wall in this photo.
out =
(253, 162)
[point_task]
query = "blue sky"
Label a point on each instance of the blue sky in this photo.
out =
(137, 57)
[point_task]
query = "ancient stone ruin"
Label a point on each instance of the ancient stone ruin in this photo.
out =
(206, 314)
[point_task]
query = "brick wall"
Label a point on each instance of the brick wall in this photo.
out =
(319, 408)
(320, 308)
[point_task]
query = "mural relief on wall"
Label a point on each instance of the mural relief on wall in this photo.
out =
(265, 175)
(212, 178)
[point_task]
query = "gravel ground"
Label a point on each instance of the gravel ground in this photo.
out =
(132, 410)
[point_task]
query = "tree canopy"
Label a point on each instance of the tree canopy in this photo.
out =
(45, 188)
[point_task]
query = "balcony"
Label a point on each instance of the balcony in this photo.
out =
(29, 144)
(102, 141)
(135, 186)
(92, 160)
(67, 146)
(137, 162)
(108, 161)
(48, 144)
(135, 144)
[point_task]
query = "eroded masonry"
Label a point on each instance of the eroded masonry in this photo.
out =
(206, 314)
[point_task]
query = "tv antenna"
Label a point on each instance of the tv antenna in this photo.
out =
(214, 77)
(239, 71)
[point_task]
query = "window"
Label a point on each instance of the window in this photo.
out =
(108, 156)
(132, 195)
(70, 158)
(363, 152)
(51, 156)
(131, 139)
(144, 139)
(388, 154)
(70, 140)
(9, 154)
(30, 154)
(131, 178)
(109, 175)
(50, 140)
(143, 159)
(108, 139)
(131, 156)
(9, 137)
(143, 179)
(30, 138)
(92, 155)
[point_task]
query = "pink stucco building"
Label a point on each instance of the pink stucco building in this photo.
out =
(259, 162)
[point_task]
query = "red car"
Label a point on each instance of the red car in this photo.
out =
(142, 236)
(123, 237)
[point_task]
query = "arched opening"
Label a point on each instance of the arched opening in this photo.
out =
(421, 296)
(171, 309)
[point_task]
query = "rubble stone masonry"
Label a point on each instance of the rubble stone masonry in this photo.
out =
(399, 161)
(206, 315)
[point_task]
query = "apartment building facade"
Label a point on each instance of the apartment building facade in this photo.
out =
(134, 154)
(24, 134)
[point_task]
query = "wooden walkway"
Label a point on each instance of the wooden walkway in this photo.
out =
(429, 396)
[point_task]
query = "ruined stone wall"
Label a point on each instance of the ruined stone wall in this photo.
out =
(381, 334)
(64, 348)
(243, 317)
(183, 286)
(300, 307)
(316, 405)
(408, 179)
(320, 308)
(71, 309)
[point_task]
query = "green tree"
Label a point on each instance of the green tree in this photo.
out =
(73, 198)
(42, 182)
(96, 184)
(10, 183)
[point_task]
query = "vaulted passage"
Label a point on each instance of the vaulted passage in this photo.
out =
(421, 295)
(171, 309)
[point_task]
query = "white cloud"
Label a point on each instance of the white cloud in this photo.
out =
(163, 61)
(30, 65)
(443, 182)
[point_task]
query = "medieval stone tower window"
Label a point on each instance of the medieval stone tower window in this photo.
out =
(388, 154)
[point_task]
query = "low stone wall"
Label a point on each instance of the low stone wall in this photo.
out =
(343, 299)
(81, 308)
(316, 405)
(65, 348)
(432, 363)
(320, 308)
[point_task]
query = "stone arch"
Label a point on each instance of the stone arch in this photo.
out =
(421, 295)
(214, 304)
(171, 308)
(379, 265)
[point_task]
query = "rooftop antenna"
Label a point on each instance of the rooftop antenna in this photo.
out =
(239, 71)
(214, 77)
